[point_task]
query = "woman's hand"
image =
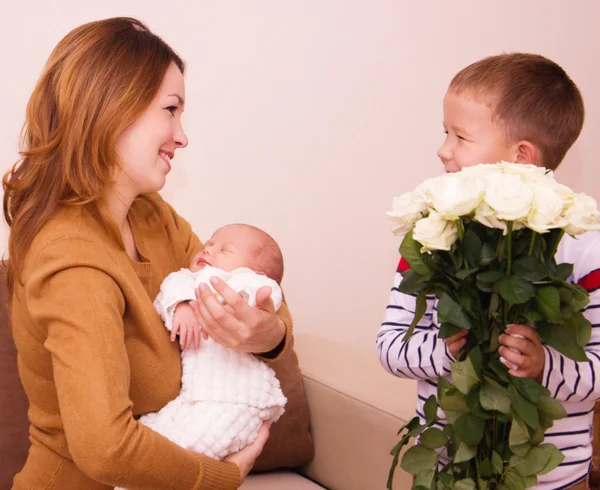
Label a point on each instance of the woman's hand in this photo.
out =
(246, 458)
(235, 324)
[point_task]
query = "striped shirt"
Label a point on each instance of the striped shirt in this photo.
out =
(576, 385)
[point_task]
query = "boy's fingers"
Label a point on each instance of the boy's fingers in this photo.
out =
(526, 331)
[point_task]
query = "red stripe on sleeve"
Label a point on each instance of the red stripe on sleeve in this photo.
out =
(403, 265)
(591, 282)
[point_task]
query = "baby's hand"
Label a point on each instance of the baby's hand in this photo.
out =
(522, 351)
(186, 325)
(456, 342)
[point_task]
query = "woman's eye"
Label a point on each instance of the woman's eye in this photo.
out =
(172, 109)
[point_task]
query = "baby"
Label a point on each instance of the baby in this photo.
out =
(225, 395)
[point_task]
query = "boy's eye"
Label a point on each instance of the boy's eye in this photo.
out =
(460, 137)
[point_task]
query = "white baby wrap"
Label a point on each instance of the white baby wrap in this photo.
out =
(225, 395)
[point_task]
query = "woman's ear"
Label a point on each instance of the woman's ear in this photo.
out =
(527, 152)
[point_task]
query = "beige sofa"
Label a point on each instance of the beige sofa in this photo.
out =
(356, 408)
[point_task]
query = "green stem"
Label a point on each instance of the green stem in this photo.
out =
(460, 228)
(556, 242)
(532, 242)
(509, 248)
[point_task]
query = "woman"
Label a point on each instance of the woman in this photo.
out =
(90, 242)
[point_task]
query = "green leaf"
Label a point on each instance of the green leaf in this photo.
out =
(534, 461)
(469, 429)
(530, 481)
(450, 311)
(490, 277)
(580, 327)
(476, 358)
(556, 457)
(420, 309)
(494, 397)
(466, 484)
(560, 337)
(513, 481)
(488, 254)
(551, 408)
(516, 290)
(499, 369)
(430, 408)
(433, 438)
(410, 249)
(529, 388)
(418, 459)
(564, 271)
(464, 375)
(547, 300)
(449, 398)
(521, 449)
(518, 433)
(471, 248)
(526, 410)
(447, 330)
(497, 463)
(464, 453)
(412, 282)
(464, 273)
(424, 479)
(529, 268)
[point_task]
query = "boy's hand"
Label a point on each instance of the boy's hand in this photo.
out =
(529, 361)
(455, 343)
(186, 325)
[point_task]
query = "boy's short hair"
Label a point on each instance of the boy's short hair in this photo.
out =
(531, 96)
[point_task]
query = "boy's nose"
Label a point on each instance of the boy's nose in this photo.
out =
(444, 153)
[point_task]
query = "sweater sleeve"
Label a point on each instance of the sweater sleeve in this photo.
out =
(424, 356)
(79, 309)
(568, 380)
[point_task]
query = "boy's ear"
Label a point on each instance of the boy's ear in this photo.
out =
(527, 152)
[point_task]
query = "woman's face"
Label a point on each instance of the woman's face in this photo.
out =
(147, 146)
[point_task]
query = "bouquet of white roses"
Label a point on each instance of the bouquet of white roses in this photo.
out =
(483, 240)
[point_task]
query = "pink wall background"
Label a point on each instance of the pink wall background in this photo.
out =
(307, 117)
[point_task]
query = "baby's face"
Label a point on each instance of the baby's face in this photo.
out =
(230, 247)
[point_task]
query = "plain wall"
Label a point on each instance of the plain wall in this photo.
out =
(307, 117)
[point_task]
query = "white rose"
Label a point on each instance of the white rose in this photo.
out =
(407, 209)
(508, 196)
(582, 215)
(527, 173)
(453, 195)
(487, 217)
(435, 233)
(480, 170)
(546, 209)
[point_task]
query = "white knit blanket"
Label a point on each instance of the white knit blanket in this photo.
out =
(225, 395)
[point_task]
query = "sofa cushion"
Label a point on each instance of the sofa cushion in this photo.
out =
(290, 443)
(280, 480)
(14, 441)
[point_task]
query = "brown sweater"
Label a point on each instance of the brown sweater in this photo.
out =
(93, 354)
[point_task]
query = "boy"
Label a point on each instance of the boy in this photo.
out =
(520, 108)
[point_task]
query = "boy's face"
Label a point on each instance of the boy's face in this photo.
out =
(230, 247)
(472, 135)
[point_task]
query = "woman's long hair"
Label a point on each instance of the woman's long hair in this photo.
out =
(97, 81)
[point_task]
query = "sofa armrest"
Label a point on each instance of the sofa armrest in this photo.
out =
(356, 409)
